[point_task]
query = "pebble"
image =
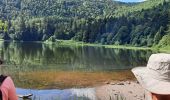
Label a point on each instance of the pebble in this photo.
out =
(137, 82)
(130, 92)
(120, 84)
(107, 82)
(117, 92)
(135, 95)
(112, 83)
(128, 82)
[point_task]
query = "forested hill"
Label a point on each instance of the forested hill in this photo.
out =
(11, 9)
(92, 21)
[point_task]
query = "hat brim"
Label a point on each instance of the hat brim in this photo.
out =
(149, 83)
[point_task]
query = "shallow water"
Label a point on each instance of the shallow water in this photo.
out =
(56, 94)
(47, 66)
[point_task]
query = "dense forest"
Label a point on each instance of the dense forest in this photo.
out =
(92, 21)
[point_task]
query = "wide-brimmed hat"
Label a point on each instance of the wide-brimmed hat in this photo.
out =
(155, 77)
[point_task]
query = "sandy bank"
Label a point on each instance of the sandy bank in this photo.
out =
(126, 90)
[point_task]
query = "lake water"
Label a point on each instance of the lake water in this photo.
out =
(51, 66)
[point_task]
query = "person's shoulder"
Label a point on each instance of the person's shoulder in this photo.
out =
(7, 83)
(8, 79)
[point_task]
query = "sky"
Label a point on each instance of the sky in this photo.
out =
(130, 0)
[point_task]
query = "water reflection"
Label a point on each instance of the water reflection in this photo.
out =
(43, 56)
(67, 94)
(38, 65)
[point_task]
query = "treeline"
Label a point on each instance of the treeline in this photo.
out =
(144, 28)
(142, 24)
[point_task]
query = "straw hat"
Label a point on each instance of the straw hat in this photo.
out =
(155, 77)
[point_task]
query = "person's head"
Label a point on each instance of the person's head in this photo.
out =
(156, 76)
(160, 97)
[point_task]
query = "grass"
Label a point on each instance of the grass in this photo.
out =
(75, 43)
(165, 49)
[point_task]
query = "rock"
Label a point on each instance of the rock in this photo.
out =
(135, 95)
(112, 83)
(138, 98)
(107, 82)
(130, 92)
(128, 82)
(120, 84)
(117, 92)
(113, 90)
(137, 82)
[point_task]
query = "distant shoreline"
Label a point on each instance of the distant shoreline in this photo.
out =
(75, 43)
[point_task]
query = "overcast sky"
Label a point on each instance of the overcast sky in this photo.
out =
(130, 0)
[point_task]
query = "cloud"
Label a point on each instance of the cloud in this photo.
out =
(131, 0)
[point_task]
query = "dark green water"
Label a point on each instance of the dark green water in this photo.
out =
(29, 57)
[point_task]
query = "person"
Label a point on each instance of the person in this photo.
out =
(7, 87)
(155, 77)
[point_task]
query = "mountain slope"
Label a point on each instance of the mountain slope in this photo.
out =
(142, 28)
(63, 8)
(73, 8)
(93, 21)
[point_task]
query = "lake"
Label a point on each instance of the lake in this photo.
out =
(35, 66)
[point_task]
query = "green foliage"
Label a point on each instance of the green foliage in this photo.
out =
(165, 41)
(3, 26)
(158, 36)
(60, 8)
(90, 21)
